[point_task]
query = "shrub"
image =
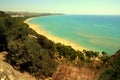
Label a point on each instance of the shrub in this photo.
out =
(112, 72)
(25, 53)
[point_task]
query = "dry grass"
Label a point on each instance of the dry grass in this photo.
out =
(70, 72)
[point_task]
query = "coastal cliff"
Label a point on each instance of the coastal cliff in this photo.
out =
(28, 51)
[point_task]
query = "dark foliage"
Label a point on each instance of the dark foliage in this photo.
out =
(66, 51)
(3, 41)
(46, 44)
(36, 55)
(25, 53)
(112, 72)
(91, 53)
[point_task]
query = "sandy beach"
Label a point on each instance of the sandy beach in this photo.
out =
(53, 38)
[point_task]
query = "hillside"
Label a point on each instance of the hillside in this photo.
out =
(111, 70)
(26, 53)
(30, 52)
(7, 72)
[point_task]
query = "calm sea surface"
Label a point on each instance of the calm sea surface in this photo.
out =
(98, 33)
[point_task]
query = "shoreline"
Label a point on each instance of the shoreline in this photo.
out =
(55, 39)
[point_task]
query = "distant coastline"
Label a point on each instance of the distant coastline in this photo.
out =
(55, 39)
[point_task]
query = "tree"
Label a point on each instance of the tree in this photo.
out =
(80, 55)
(66, 51)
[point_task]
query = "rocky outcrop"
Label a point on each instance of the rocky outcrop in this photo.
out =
(7, 72)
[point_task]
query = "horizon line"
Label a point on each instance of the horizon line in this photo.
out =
(59, 13)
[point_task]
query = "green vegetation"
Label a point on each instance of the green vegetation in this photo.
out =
(84, 56)
(26, 53)
(112, 70)
(34, 53)
(66, 51)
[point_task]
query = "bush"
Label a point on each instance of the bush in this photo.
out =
(90, 54)
(66, 51)
(80, 55)
(29, 56)
(25, 53)
(113, 71)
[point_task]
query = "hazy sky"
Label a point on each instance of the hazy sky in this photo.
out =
(111, 7)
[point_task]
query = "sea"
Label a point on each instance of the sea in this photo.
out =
(94, 32)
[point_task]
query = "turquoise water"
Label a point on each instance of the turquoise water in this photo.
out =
(98, 33)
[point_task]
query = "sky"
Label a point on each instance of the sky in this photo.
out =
(97, 7)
